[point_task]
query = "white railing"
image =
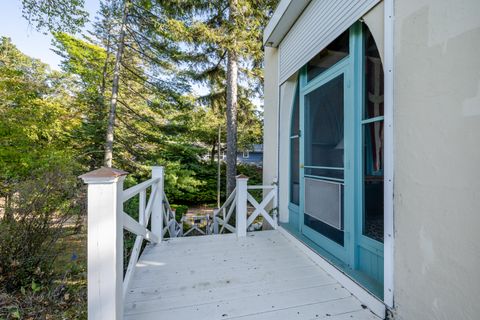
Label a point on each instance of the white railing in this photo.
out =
(107, 220)
(226, 212)
(107, 285)
(172, 226)
(237, 205)
(139, 228)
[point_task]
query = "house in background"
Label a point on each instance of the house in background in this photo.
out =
(372, 130)
(253, 155)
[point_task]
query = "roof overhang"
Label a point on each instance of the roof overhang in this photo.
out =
(283, 18)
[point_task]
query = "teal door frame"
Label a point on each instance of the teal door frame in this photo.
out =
(352, 67)
(342, 67)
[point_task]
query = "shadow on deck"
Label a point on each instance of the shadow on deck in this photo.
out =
(261, 276)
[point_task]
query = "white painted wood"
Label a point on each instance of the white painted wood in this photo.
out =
(142, 203)
(133, 226)
(283, 18)
(227, 216)
(244, 306)
(105, 248)
(132, 264)
(149, 206)
(388, 255)
(322, 310)
(225, 226)
(261, 276)
(319, 24)
(276, 206)
(260, 209)
(375, 305)
(178, 299)
(260, 187)
(240, 260)
(215, 221)
(230, 204)
(157, 206)
(133, 191)
(241, 207)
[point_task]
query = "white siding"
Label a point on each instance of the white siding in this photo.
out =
(320, 23)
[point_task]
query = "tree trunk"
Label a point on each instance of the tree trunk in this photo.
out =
(232, 105)
(219, 167)
(8, 216)
(105, 69)
(116, 78)
(213, 151)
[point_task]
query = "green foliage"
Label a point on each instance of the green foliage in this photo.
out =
(53, 123)
(37, 117)
(55, 15)
(180, 211)
(31, 229)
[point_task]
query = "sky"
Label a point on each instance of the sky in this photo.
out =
(38, 45)
(25, 37)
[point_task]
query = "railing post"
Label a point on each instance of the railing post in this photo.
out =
(275, 205)
(215, 221)
(241, 206)
(157, 207)
(105, 243)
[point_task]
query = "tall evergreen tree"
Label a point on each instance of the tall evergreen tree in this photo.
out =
(223, 40)
(55, 15)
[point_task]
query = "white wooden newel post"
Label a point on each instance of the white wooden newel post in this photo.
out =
(241, 206)
(105, 243)
(157, 207)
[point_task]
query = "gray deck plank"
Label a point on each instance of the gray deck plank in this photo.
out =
(262, 276)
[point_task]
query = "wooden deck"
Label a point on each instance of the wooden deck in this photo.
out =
(262, 276)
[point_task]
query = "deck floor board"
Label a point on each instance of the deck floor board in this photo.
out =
(262, 276)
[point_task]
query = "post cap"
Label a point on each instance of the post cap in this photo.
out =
(103, 174)
(241, 176)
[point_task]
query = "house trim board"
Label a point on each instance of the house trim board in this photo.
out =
(389, 237)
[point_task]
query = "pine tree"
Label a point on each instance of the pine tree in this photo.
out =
(223, 40)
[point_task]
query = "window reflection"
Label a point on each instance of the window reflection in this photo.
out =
(373, 78)
(373, 148)
(295, 152)
(334, 52)
(324, 127)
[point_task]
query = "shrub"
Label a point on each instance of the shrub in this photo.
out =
(33, 224)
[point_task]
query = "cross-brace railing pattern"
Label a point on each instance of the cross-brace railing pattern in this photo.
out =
(139, 228)
(237, 205)
(267, 203)
(171, 225)
(107, 220)
(107, 284)
(223, 215)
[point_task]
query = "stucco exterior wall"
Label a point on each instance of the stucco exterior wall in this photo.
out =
(270, 116)
(287, 95)
(437, 159)
(375, 22)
